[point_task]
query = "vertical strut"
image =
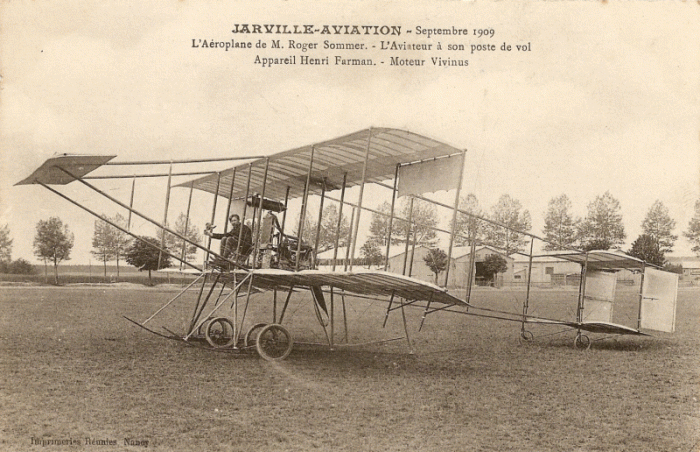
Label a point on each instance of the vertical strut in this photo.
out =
(320, 217)
(332, 320)
(413, 252)
(641, 296)
(526, 303)
(409, 228)
(582, 292)
(353, 237)
(427, 307)
(131, 203)
(391, 217)
(454, 220)
(345, 318)
(347, 249)
(302, 215)
(213, 214)
(286, 303)
(187, 224)
(405, 328)
(165, 215)
(256, 242)
(245, 207)
(230, 200)
(286, 202)
(388, 309)
(472, 262)
(340, 218)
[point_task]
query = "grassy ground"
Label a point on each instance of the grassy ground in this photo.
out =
(72, 368)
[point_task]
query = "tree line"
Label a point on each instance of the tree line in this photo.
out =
(416, 222)
(506, 224)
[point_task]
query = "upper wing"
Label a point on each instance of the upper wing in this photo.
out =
(327, 163)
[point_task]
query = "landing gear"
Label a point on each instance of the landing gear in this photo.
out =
(251, 337)
(274, 343)
(525, 337)
(582, 342)
(220, 333)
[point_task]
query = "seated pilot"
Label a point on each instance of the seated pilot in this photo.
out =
(230, 244)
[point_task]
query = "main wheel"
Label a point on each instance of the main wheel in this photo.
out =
(202, 330)
(582, 341)
(274, 342)
(251, 336)
(220, 332)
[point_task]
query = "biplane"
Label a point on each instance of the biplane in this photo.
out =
(259, 191)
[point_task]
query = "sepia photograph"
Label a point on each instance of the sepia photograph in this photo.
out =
(350, 226)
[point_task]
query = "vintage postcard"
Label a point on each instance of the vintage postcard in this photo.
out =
(579, 102)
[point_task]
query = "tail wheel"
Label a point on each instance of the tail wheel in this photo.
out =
(274, 343)
(581, 341)
(220, 332)
(526, 336)
(251, 336)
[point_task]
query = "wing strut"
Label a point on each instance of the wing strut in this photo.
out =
(150, 220)
(111, 223)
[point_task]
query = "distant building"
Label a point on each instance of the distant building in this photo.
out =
(326, 261)
(691, 269)
(546, 270)
(413, 264)
(459, 272)
(690, 264)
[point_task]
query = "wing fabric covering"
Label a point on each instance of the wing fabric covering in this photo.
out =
(50, 172)
(600, 296)
(428, 177)
(329, 162)
(659, 300)
(362, 282)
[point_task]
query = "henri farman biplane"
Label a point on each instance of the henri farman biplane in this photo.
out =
(273, 261)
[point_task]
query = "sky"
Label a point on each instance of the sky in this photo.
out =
(607, 98)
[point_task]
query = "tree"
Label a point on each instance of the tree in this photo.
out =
(423, 223)
(372, 254)
(494, 264)
(603, 224)
(121, 239)
(102, 243)
(5, 244)
(53, 242)
(596, 244)
(659, 226)
(468, 225)
(190, 231)
(18, 267)
(144, 255)
(646, 248)
(436, 260)
(559, 226)
(109, 242)
(379, 226)
(693, 232)
(507, 211)
(329, 229)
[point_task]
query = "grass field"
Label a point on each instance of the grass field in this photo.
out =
(72, 369)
